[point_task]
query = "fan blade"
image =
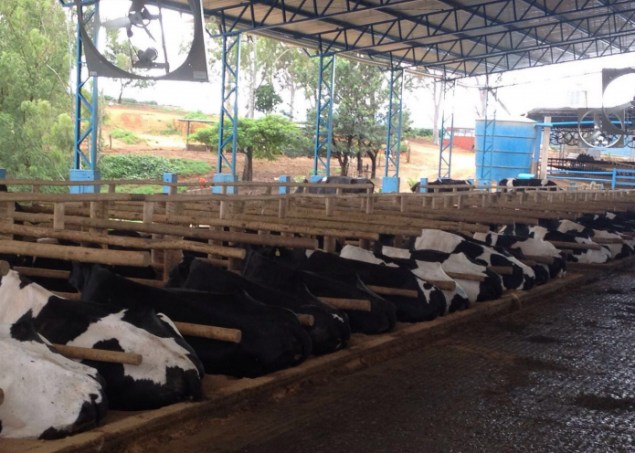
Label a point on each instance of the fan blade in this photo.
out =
(119, 22)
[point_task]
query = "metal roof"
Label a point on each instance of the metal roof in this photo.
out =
(449, 38)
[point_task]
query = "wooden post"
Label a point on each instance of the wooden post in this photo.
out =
(7, 209)
(171, 257)
(58, 216)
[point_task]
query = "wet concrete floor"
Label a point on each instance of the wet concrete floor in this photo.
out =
(557, 376)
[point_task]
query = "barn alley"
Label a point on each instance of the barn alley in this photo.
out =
(554, 376)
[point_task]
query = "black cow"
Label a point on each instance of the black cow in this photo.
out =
(170, 371)
(329, 332)
(272, 337)
(337, 180)
(516, 184)
(46, 395)
(289, 277)
(429, 304)
(441, 185)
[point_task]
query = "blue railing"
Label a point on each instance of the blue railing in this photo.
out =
(616, 178)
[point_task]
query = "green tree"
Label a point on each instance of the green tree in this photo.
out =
(358, 124)
(266, 98)
(35, 128)
(266, 137)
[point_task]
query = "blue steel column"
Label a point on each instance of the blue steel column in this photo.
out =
(390, 183)
(228, 136)
(324, 115)
(487, 155)
(446, 134)
(86, 118)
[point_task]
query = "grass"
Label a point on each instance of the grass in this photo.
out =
(130, 138)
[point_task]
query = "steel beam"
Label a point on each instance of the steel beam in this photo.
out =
(277, 13)
(324, 115)
(228, 121)
(489, 131)
(393, 120)
(86, 111)
(446, 133)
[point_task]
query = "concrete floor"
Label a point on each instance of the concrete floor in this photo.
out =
(558, 376)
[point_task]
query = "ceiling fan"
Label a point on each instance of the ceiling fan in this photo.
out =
(143, 39)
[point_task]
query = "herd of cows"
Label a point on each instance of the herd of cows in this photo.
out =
(288, 305)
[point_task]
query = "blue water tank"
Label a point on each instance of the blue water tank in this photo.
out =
(505, 148)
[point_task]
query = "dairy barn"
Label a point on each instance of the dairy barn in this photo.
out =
(334, 314)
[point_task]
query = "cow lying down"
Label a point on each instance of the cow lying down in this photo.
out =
(551, 233)
(520, 277)
(272, 337)
(530, 248)
(474, 281)
(330, 330)
(46, 395)
(453, 299)
(170, 371)
(289, 277)
(428, 303)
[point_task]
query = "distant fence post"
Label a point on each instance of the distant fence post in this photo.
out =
(171, 178)
(423, 185)
(613, 178)
(284, 189)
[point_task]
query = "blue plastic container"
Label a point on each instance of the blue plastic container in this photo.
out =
(505, 149)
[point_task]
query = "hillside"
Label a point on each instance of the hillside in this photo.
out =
(160, 133)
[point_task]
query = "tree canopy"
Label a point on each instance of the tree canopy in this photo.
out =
(35, 123)
(266, 137)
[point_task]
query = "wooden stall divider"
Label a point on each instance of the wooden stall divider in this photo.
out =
(347, 304)
(98, 355)
(212, 332)
(74, 253)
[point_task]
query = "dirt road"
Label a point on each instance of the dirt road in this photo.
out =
(151, 125)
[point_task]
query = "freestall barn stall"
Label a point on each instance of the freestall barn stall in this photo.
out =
(201, 301)
(249, 259)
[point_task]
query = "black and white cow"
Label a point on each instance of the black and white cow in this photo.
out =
(611, 239)
(529, 248)
(521, 277)
(329, 332)
(476, 282)
(429, 303)
(516, 184)
(354, 182)
(272, 337)
(453, 299)
(170, 371)
(46, 395)
(289, 276)
(551, 233)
